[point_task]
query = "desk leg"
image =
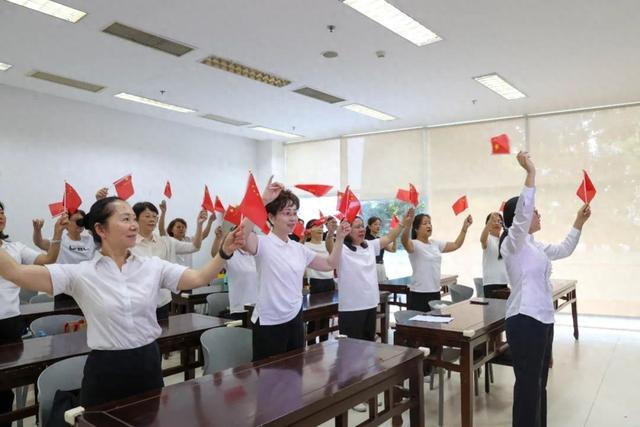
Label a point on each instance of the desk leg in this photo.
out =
(187, 357)
(416, 391)
(466, 385)
(384, 322)
(342, 420)
(574, 314)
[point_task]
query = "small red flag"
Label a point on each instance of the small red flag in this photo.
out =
(232, 215)
(252, 205)
(219, 207)
(56, 209)
(502, 206)
(298, 230)
(349, 205)
(339, 216)
(586, 192)
(394, 221)
(124, 187)
(321, 221)
(167, 190)
(409, 196)
(460, 205)
(317, 190)
(71, 200)
(339, 200)
(500, 144)
(207, 203)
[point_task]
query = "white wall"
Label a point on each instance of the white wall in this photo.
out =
(45, 140)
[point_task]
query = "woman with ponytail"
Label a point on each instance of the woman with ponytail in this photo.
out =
(372, 232)
(494, 273)
(530, 311)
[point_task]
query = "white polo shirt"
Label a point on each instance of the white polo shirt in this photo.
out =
(358, 277)
(280, 268)
(529, 263)
(9, 292)
(76, 251)
(166, 248)
(320, 249)
(242, 278)
(494, 271)
(426, 262)
(185, 259)
(119, 305)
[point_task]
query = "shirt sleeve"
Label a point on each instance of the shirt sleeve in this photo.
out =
(440, 244)
(182, 247)
(259, 243)
(62, 277)
(565, 248)
(27, 255)
(519, 230)
(308, 254)
(375, 245)
(170, 274)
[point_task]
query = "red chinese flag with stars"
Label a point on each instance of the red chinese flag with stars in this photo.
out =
(586, 191)
(72, 200)
(298, 230)
(219, 207)
(232, 215)
(56, 209)
(167, 190)
(394, 221)
(207, 203)
(409, 196)
(124, 187)
(320, 221)
(339, 200)
(460, 205)
(349, 205)
(252, 205)
(317, 190)
(500, 144)
(339, 216)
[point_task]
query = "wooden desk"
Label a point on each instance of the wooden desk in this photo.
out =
(185, 301)
(475, 330)
(324, 305)
(22, 363)
(305, 387)
(400, 286)
(31, 312)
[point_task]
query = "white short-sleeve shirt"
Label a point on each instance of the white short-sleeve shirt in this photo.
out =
(76, 251)
(185, 259)
(426, 262)
(358, 277)
(494, 271)
(119, 305)
(320, 249)
(9, 292)
(242, 278)
(280, 268)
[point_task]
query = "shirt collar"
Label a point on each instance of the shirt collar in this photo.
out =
(103, 258)
(277, 240)
(140, 238)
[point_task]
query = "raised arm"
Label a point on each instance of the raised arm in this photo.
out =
(54, 246)
(484, 236)
(570, 242)
(519, 230)
(393, 234)
(32, 277)
(207, 228)
(194, 278)
(329, 241)
(328, 263)
(455, 245)
(37, 235)
(217, 241)
(406, 233)
(271, 191)
(392, 247)
(197, 238)
(163, 214)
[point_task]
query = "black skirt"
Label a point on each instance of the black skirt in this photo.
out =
(115, 374)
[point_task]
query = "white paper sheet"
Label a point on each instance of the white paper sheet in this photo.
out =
(432, 319)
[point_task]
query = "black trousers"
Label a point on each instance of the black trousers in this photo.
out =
(163, 311)
(271, 340)
(360, 324)
(116, 374)
(11, 331)
(317, 286)
(530, 342)
(490, 290)
(420, 300)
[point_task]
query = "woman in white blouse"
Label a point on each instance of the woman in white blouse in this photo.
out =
(494, 273)
(530, 312)
(425, 255)
(117, 293)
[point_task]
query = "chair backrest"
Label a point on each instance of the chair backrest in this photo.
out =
(460, 292)
(40, 298)
(52, 325)
(65, 375)
(404, 315)
(225, 348)
(26, 295)
(437, 304)
(479, 286)
(217, 303)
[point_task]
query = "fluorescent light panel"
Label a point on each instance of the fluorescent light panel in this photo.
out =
(370, 112)
(52, 8)
(153, 102)
(276, 132)
(395, 20)
(499, 85)
(244, 71)
(5, 67)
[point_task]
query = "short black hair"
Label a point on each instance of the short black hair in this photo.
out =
(99, 213)
(140, 207)
(508, 213)
(174, 222)
(281, 202)
(2, 235)
(416, 224)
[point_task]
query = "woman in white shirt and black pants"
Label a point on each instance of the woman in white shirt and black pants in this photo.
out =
(281, 262)
(117, 294)
(425, 255)
(530, 311)
(494, 272)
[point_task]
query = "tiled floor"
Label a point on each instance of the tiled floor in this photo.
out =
(593, 383)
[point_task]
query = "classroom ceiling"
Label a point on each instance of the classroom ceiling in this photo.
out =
(569, 54)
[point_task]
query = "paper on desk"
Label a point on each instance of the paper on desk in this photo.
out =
(432, 319)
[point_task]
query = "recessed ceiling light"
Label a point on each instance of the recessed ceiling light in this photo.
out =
(153, 102)
(497, 84)
(370, 112)
(395, 20)
(66, 81)
(5, 67)
(330, 54)
(225, 120)
(316, 94)
(275, 132)
(52, 8)
(147, 39)
(244, 71)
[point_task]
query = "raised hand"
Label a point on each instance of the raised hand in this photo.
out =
(409, 217)
(102, 193)
(163, 206)
(271, 191)
(524, 159)
(234, 240)
(60, 225)
(202, 217)
(37, 224)
(343, 230)
(467, 223)
(583, 215)
(218, 232)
